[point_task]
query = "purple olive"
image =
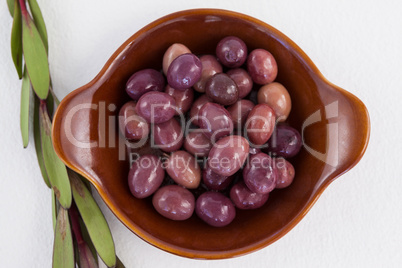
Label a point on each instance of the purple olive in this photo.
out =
(243, 198)
(168, 136)
(184, 71)
(286, 173)
(156, 107)
(231, 51)
(222, 89)
(215, 120)
(144, 81)
(197, 143)
(145, 176)
(228, 155)
(215, 209)
(261, 66)
(215, 181)
(174, 202)
(285, 141)
(172, 53)
(259, 174)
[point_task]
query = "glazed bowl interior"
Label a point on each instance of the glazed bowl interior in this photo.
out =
(87, 140)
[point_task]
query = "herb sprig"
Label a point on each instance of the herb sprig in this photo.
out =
(81, 232)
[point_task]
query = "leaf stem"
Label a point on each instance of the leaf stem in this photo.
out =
(23, 7)
(43, 105)
(75, 224)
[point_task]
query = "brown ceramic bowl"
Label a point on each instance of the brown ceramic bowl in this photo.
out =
(335, 128)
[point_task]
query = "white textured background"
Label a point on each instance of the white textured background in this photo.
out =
(357, 45)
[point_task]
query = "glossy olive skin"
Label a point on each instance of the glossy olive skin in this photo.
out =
(184, 71)
(231, 51)
(228, 155)
(261, 66)
(131, 125)
(210, 66)
(215, 181)
(172, 53)
(195, 108)
(183, 168)
(254, 150)
(240, 111)
(156, 107)
(168, 136)
(215, 209)
(197, 144)
(286, 173)
(222, 89)
(215, 120)
(243, 81)
(277, 97)
(259, 174)
(145, 176)
(144, 81)
(285, 141)
(243, 198)
(183, 98)
(260, 124)
(174, 202)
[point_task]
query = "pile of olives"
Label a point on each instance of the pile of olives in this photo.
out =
(218, 123)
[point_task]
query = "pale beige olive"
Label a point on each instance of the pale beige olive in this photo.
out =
(183, 168)
(210, 66)
(278, 98)
(172, 53)
(132, 126)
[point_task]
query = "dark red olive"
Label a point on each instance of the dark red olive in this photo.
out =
(222, 89)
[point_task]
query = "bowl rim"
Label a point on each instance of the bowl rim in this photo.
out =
(149, 238)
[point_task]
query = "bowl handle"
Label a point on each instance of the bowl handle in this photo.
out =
(348, 130)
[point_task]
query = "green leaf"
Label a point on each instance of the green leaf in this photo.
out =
(38, 142)
(63, 250)
(16, 40)
(11, 4)
(85, 181)
(55, 168)
(39, 22)
(55, 209)
(94, 221)
(24, 113)
(35, 57)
